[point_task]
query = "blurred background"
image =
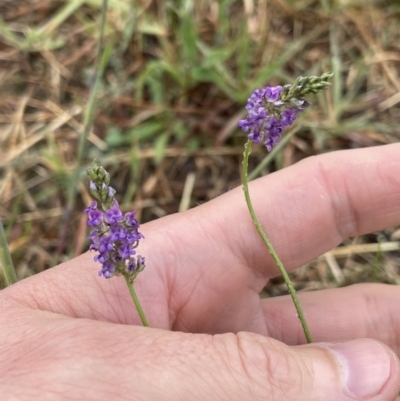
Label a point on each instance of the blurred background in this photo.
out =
(177, 75)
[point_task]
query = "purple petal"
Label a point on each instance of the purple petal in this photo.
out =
(113, 215)
(92, 206)
(272, 93)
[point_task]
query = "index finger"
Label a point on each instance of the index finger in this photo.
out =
(314, 205)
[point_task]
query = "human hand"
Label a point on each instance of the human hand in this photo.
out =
(68, 334)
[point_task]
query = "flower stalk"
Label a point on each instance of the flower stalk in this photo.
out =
(114, 235)
(270, 111)
(135, 300)
(288, 282)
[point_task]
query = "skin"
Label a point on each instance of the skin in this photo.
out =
(67, 334)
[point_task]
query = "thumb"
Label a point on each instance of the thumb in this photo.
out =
(358, 369)
(251, 367)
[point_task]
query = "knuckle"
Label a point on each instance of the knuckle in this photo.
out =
(269, 368)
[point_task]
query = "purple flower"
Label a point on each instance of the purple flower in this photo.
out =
(125, 251)
(130, 219)
(271, 141)
(114, 236)
(134, 237)
(101, 258)
(256, 117)
(255, 135)
(244, 125)
(107, 269)
(255, 99)
(135, 265)
(272, 93)
(113, 215)
(95, 217)
(274, 129)
(118, 233)
(140, 262)
(288, 117)
(268, 115)
(106, 245)
(92, 206)
(95, 240)
(131, 265)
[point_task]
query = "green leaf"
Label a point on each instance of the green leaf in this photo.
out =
(160, 145)
(115, 137)
(180, 130)
(188, 34)
(153, 76)
(208, 74)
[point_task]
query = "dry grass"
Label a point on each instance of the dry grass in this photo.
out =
(177, 76)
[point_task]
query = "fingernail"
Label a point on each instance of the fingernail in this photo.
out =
(365, 366)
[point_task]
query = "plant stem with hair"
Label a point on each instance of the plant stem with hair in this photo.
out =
(268, 244)
(136, 302)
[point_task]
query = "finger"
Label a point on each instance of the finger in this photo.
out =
(362, 310)
(45, 355)
(314, 205)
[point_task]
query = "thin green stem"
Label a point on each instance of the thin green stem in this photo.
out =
(268, 244)
(136, 302)
(5, 258)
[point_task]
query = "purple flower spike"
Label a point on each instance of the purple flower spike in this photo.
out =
(114, 236)
(268, 115)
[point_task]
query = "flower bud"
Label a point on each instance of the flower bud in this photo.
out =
(94, 191)
(104, 192)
